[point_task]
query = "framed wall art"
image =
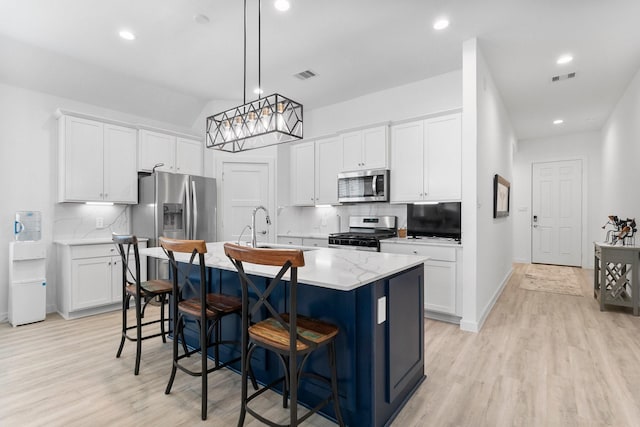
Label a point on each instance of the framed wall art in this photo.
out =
(501, 196)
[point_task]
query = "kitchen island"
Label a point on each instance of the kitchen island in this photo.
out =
(376, 300)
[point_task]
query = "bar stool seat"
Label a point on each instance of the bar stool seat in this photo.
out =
(271, 333)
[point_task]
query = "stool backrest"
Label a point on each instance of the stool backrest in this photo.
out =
(287, 260)
(183, 281)
(125, 243)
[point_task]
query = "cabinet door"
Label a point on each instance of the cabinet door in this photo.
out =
(81, 166)
(328, 165)
(375, 148)
(156, 148)
(120, 174)
(352, 151)
(407, 162)
(189, 156)
(443, 141)
(116, 278)
(440, 286)
(303, 174)
(91, 283)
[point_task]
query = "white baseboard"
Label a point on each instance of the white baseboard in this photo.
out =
(4, 317)
(475, 326)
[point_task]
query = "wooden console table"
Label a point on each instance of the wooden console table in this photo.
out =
(616, 279)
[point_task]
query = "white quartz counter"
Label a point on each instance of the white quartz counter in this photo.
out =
(338, 269)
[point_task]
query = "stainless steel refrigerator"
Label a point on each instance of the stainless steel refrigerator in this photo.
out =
(176, 206)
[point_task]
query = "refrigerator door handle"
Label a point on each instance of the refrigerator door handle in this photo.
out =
(195, 210)
(187, 201)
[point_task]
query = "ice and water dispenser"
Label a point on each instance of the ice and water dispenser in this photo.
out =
(173, 225)
(27, 270)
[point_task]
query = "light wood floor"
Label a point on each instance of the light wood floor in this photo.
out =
(540, 360)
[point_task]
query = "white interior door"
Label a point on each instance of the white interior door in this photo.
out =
(246, 185)
(556, 232)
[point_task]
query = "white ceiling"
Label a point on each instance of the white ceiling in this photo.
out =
(71, 48)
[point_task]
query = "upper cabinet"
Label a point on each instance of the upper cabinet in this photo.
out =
(189, 157)
(177, 154)
(365, 149)
(97, 161)
(327, 166)
(426, 160)
(303, 174)
(314, 172)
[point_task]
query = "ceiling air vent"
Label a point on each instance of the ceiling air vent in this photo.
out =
(306, 74)
(563, 77)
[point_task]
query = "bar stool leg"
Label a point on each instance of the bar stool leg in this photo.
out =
(293, 390)
(138, 334)
(162, 330)
(203, 357)
(176, 335)
(125, 306)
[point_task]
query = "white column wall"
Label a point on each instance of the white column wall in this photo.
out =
(620, 157)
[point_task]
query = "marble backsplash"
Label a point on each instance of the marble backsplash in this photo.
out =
(78, 220)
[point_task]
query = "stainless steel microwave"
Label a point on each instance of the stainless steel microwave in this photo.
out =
(363, 186)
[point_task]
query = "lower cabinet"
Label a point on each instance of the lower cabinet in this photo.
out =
(90, 278)
(303, 241)
(440, 278)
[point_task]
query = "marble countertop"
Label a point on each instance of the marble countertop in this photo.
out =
(338, 269)
(95, 241)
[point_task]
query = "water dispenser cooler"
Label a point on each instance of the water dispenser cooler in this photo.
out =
(27, 271)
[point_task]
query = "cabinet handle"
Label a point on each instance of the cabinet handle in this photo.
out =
(415, 252)
(112, 249)
(109, 263)
(106, 195)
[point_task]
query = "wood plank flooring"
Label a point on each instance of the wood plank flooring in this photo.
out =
(541, 359)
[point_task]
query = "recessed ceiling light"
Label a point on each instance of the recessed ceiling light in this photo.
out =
(282, 5)
(558, 121)
(441, 24)
(127, 35)
(258, 91)
(564, 59)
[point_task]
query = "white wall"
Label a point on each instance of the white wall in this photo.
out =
(620, 154)
(585, 146)
(440, 93)
(28, 132)
(487, 244)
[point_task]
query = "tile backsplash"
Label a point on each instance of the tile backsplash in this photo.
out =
(78, 220)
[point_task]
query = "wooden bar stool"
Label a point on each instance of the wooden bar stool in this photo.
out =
(289, 335)
(207, 315)
(141, 292)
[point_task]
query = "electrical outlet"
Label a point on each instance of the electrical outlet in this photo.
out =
(99, 222)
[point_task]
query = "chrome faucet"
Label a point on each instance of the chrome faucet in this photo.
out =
(253, 223)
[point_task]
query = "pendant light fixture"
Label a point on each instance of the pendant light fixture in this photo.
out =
(269, 120)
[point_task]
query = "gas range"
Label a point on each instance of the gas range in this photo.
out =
(365, 233)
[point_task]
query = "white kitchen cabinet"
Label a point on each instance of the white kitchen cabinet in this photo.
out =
(314, 172)
(189, 156)
(303, 174)
(286, 240)
(365, 149)
(90, 278)
(328, 155)
(96, 162)
(155, 148)
(178, 154)
(440, 284)
(426, 160)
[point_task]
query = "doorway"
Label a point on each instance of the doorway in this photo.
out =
(246, 185)
(556, 216)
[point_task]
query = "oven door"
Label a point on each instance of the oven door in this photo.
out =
(356, 248)
(363, 186)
